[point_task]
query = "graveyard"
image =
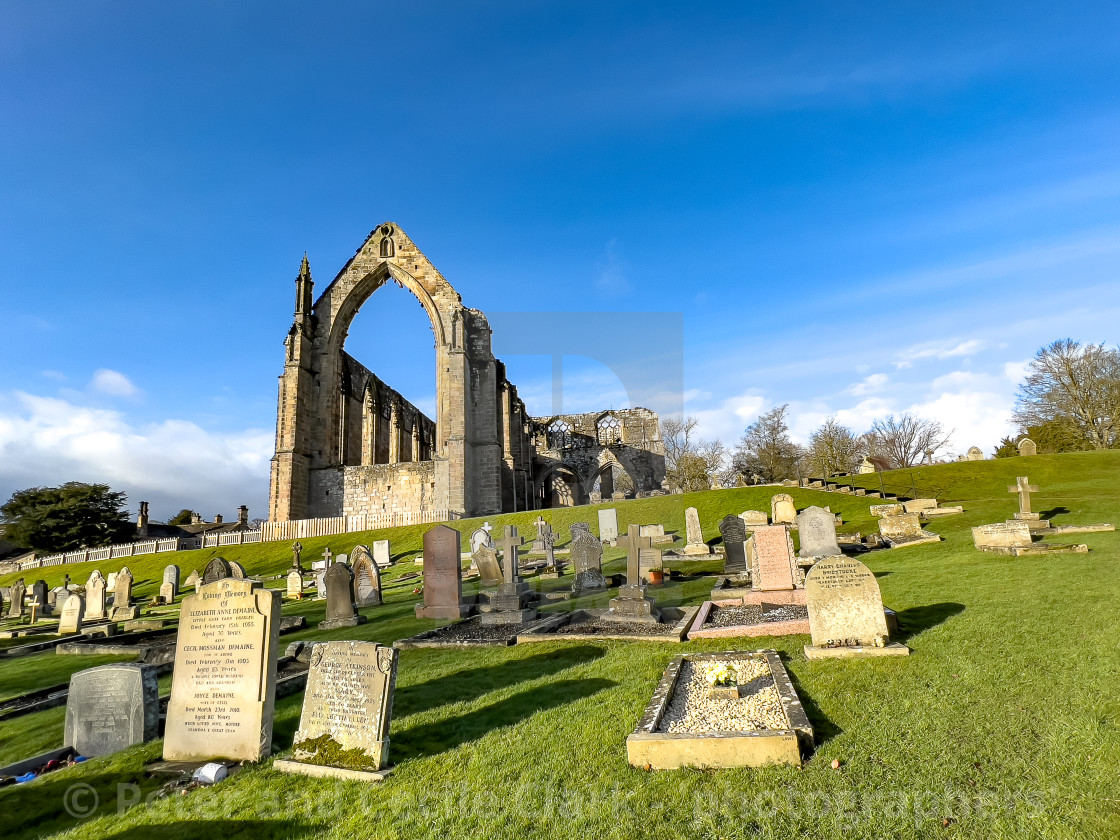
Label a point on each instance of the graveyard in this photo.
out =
(1002, 719)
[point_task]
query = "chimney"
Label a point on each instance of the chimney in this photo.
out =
(142, 520)
(217, 519)
(196, 519)
(243, 516)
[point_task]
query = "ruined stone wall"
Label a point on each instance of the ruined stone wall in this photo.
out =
(381, 489)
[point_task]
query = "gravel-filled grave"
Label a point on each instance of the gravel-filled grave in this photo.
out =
(730, 616)
(691, 709)
(469, 631)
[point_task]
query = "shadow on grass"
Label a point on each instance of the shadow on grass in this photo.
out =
(207, 829)
(1050, 514)
(39, 808)
(434, 738)
(471, 683)
(914, 620)
(824, 729)
(881, 574)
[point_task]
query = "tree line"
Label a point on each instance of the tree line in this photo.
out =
(1069, 400)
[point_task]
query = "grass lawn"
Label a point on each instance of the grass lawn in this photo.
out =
(1004, 722)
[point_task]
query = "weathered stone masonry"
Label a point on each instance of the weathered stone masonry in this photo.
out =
(347, 443)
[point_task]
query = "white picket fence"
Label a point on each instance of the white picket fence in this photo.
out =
(295, 529)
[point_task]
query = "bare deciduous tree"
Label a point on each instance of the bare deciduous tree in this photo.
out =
(691, 463)
(1076, 384)
(834, 448)
(904, 440)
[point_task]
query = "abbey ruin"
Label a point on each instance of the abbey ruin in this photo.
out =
(349, 445)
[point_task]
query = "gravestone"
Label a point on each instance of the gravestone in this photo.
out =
(111, 583)
(193, 579)
(509, 604)
(816, 528)
(443, 576)
(489, 569)
(166, 592)
(1003, 535)
(975, 453)
(17, 592)
(632, 603)
(73, 610)
(773, 564)
(237, 570)
(782, 509)
(224, 683)
(550, 561)
(586, 554)
(694, 537)
(171, 575)
(608, 524)
(919, 505)
(297, 550)
(543, 529)
(122, 598)
(381, 554)
(57, 597)
(295, 584)
(481, 537)
(110, 708)
(217, 569)
(340, 598)
(1027, 447)
(367, 578)
(846, 615)
(900, 526)
(39, 594)
(95, 597)
(751, 518)
(347, 707)
(887, 510)
(734, 534)
(650, 559)
(1024, 488)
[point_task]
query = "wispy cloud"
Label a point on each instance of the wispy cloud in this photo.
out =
(940, 350)
(870, 385)
(112, 383)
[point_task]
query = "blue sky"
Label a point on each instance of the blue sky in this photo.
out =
(854, 208)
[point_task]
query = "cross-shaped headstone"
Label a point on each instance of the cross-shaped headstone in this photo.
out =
(296, 549)
(328, 555)
(34, 609)
(1024, 488)
(509, 545)
(635, 543)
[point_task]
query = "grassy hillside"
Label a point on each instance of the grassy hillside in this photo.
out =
(1003, 723)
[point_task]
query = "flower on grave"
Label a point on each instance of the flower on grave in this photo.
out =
(722, 675)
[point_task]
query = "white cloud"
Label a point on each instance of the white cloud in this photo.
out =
(939, 350)
(172, 464)
(1016, 371)
(113, 383)
(870, 385)
(730, 419)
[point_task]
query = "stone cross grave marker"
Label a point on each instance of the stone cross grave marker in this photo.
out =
(340, 598)
(509, 545)
(632, 603)
(608, 524)
(846, 608)
(586, 554)
(73, 610)
(224, 684)
(734, 533)
(328, 555)
(95, 597)
(1024, 488)
(509, 605)
(782, 509)
(297, 550)
(367, 578)
(17, 592)
(34, 609)
(816, 528)
(381, 554)
(443, 575)
(773, 566)
(110, 708)
(347, 706)
(543, 528)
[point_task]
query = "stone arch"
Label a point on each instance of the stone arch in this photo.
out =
(571, 478)
(608, 463)
(609, 429)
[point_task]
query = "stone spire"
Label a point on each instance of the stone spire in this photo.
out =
(304, 285)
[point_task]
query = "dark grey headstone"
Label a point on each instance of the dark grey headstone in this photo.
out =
(171, 575)
(216, 569)
(443, 575)
(586, 554)
(111, 707)
(734, 533)
(39, 593)
(339, 581)
(816, 529)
